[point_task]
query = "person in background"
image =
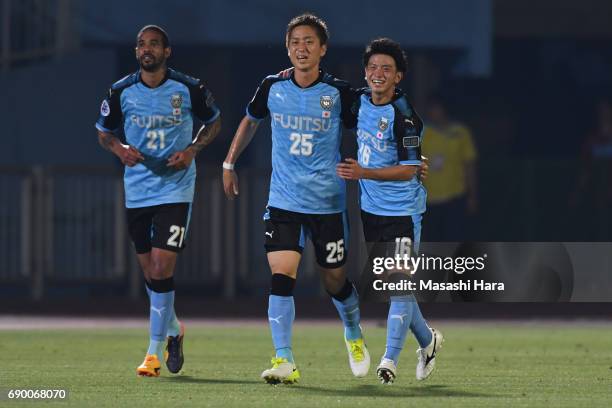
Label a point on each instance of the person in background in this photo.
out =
(452, 193)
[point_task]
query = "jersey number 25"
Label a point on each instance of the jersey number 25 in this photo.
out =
(301, 144)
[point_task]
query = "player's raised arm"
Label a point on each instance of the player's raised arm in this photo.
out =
(242, 138)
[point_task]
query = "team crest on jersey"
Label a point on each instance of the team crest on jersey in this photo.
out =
(104, 108)
(383, 124)
(176, 101)
(327, 102)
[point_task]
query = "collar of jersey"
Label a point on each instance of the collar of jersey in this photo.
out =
(398, 94)
(319, 78)
(163, 81)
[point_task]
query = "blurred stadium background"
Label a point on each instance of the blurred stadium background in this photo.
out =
(525, 76)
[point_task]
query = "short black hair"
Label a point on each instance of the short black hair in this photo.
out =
(388, 47)
(158, 29)
(311, 20)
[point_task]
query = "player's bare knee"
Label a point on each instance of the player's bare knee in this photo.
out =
(333, 279)
(161, 268)
(284, 263)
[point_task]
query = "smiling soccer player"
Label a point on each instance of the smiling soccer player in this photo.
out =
(307, 199)
(392, 196)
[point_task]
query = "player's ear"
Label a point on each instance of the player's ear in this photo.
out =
(398, 77)
(323, 49)
(167, 52)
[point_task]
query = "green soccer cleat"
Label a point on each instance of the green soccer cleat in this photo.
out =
(282, 371)
(359, 357)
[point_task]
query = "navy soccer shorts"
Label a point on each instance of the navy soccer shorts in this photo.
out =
(160, 226)
(288, 230)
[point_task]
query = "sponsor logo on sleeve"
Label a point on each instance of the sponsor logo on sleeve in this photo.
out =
(411, 141)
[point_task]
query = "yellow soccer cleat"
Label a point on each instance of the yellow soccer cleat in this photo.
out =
(282, 371)
(150, 367)
(359, 357)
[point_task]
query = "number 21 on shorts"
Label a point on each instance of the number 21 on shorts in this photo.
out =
(177, 236)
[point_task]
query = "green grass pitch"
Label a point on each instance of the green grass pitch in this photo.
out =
(480, 365)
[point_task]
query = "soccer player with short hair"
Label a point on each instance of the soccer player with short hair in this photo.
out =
(391, 195)
(157, 106)
(307, 198)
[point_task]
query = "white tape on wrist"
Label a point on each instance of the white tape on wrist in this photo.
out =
(228, 166)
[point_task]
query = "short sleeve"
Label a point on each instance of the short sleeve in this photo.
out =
(110, 116)
(257, 109)
(203, 104)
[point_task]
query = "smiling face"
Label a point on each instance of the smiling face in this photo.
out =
(304, 48)
(150, 51)
(382, 75)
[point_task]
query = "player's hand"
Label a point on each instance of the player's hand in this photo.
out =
(181, 160)
(423, 168)
(286, 73)
(230, 183)
(128, 155)
(350, 169)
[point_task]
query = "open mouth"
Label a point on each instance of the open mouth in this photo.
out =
(378, 81)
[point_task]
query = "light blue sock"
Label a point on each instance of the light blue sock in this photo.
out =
(418, 325)
(348, 309)
(174, 328)
(281, 312)
(398, 322)
(161, 308)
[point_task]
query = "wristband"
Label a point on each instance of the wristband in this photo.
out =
(228, 166)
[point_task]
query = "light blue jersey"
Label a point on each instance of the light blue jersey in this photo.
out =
(389, 135)
(158, 122)
(306, 134)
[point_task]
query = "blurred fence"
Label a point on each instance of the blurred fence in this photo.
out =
(31, 29)
(63, 227)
